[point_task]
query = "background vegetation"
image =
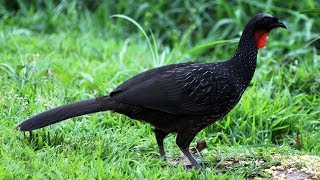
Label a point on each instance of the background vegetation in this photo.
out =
(53, 52)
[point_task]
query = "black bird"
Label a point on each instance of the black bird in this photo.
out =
(180, 98)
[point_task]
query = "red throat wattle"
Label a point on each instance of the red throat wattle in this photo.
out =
(260, 37)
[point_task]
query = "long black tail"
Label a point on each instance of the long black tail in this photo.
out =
(65, 112)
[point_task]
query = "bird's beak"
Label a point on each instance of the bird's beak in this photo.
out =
(279, 24)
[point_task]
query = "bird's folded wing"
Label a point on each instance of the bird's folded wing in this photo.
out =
(185, 91)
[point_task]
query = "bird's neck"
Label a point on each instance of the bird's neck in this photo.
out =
(245, 58)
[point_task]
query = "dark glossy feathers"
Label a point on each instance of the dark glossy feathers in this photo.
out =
(191, 88)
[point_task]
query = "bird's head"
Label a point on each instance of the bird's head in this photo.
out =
(261, 24)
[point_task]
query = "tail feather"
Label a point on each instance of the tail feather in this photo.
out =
(65, 112)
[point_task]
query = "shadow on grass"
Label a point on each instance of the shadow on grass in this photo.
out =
(40, 139)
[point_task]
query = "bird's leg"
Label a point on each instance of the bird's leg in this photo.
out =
(160, 135)
(183, 141)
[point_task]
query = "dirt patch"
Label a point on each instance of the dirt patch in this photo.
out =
(296, 167)
(276, 166)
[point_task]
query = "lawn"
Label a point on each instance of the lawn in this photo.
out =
(53, 53)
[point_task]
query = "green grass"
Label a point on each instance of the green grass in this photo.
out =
(52, 54)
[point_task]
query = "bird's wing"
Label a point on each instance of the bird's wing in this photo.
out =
(187, 89)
